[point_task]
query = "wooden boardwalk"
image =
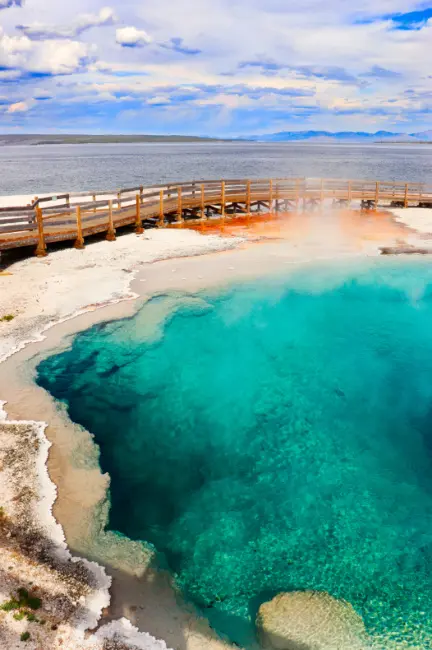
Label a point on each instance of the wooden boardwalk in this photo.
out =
(74, 216)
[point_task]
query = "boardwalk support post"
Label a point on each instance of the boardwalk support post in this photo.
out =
(111, 233)
(202, 202)
(248, 200)
(377, 189)
(223, 202)
(179, 205)
(161, 209)
(138, 223)
(79, 242)
(271, 196)
(297, 194)
(41, 249)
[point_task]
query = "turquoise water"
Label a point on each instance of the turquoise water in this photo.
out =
(271, 437)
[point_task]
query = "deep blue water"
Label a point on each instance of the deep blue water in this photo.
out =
(57, 168)
(273, 436)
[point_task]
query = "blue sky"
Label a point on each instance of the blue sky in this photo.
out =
(215, 67)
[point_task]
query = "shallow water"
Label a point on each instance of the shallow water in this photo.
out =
(273, 436)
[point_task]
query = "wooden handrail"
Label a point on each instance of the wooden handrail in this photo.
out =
(210, 183)
(165, 202)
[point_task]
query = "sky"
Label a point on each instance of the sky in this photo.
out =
(215, 67)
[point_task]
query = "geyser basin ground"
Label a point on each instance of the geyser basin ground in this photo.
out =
(273, 436)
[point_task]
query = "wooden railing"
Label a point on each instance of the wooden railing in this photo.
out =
(75, 215)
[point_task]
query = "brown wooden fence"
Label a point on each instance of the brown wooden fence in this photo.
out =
(74, 215)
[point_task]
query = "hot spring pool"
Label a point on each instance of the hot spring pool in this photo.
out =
(273, 436)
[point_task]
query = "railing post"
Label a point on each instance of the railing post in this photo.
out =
(271, 196)
(297, 194)
(111, 233)
(79, 242)
(377, 189)
(41, 249)
(138, 223)
(119, 200)
(94, 199)
(248, 199)
(406, 196)
(141, 189)
(179, 205)
(161, 209)
(202, 201)
(223, 201)
(349, 192)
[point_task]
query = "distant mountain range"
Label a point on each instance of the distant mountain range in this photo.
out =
(64, 138)
(343, 136)
(282, 136)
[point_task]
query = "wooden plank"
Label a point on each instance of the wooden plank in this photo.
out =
(13, 209)
(53, 197)
(30, 218)
(18, 230)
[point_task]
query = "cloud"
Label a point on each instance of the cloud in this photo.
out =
(42, 96)
(377, 72)
(9, 76)
(331, 72)
(41, 32)
(13, 50)
(42, 58)
(263, 65)
(159, 100)
(132, 37)
(60, 57)
(18, 107)
(176, 44)
(329, 65)
(6, 4)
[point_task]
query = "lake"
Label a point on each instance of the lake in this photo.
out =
(48, 168)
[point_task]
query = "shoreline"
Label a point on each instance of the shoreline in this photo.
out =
(73, 459)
